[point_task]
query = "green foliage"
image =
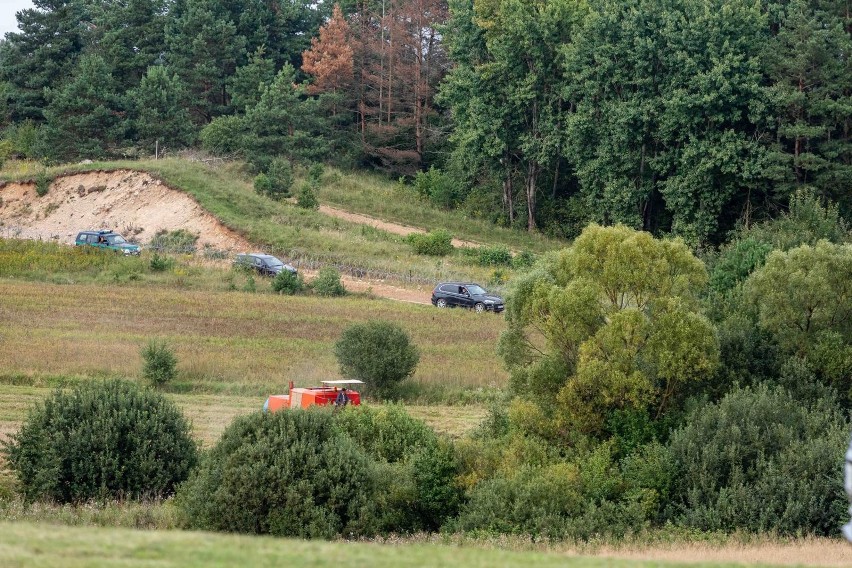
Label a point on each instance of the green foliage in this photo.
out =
(438, 187)
(262, 184)
(498, 255)
(42, 183)
(251, 285)
(285, 474)
(439, 495)
(315, 173)
(307, 198)
(523, 259)
(177, 241)
(619, 316)
(161, 263)
(387, 432)
(280, 178)
(760, 460)
(160, 363)
(434, 243)
(285, 282)
(378, 353)
(102, 440)
(803, 292)
(159, 108)
(223, 135)
(327, 283)
(736, 262)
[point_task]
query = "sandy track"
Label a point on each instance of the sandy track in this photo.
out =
(138, 205)
(394, 228)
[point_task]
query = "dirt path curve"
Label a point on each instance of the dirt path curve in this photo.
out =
(388, 226)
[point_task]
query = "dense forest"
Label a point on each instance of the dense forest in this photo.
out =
(684, 117)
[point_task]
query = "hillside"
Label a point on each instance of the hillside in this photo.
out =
(361, 233)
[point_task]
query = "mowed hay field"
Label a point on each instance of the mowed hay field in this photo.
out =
(227, 342)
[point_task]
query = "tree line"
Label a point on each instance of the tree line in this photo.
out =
(685, 117)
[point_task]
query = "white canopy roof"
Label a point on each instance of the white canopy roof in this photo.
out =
(344, 382)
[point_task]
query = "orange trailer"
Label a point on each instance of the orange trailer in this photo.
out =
(325, 395)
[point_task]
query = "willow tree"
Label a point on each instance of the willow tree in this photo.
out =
(610, 325)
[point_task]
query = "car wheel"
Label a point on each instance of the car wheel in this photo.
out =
(441, 303)
(479, 307)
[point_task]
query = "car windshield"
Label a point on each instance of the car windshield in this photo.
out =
(475, 290)
(115, 240)
(272, 261)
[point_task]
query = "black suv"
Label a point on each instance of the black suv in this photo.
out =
(466, 295)
(264, 264)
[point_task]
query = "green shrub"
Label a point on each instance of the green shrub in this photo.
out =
(439, 495)
(102, 440)
(760, 460)
(160, 362)
(250, 286)
(178, 241)
(307, 198)
(42, 183)
(736, 262)
(262, 184)
(315, 173)
(378, 353)
(327, 283)
(498, 255)
(288, 283)
(223, 135)
(435, 243)
(161, 263)
(280, 174)
(386, 432)
(282, 473)
(438, 187)
(523, 259)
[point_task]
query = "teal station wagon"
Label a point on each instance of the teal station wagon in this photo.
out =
(107, 240)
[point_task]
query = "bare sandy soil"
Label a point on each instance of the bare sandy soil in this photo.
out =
(138, 206)
(394, 228)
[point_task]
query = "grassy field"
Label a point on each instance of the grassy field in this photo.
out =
(229, 342)
(32, 545)
(227, 192)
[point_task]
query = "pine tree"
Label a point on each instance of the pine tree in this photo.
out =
(160, 111)
(85, 117)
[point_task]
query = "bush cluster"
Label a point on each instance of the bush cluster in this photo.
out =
(435, 243)
(285, 282)
(177, 241)
(102, 440)
(379, 353)
(328, 283)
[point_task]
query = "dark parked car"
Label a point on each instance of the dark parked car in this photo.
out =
(466, 295)
(264, 264)
(106, 240)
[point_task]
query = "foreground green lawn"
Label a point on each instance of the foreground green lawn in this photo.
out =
(31, 545)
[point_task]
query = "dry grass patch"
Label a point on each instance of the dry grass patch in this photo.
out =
(227, 342)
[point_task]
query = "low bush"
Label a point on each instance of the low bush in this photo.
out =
(438, 187)
(315, 173)
(160, 365)
(284, 473)
(386, 432)
(435, 243)
(178, 241)
(285, 282)
(327, 283)
(262, 184)
(523, 259)
(102, 440)
(160, 263)
(377, 352)
(307, 198)
(760, 460)
(498, 255)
